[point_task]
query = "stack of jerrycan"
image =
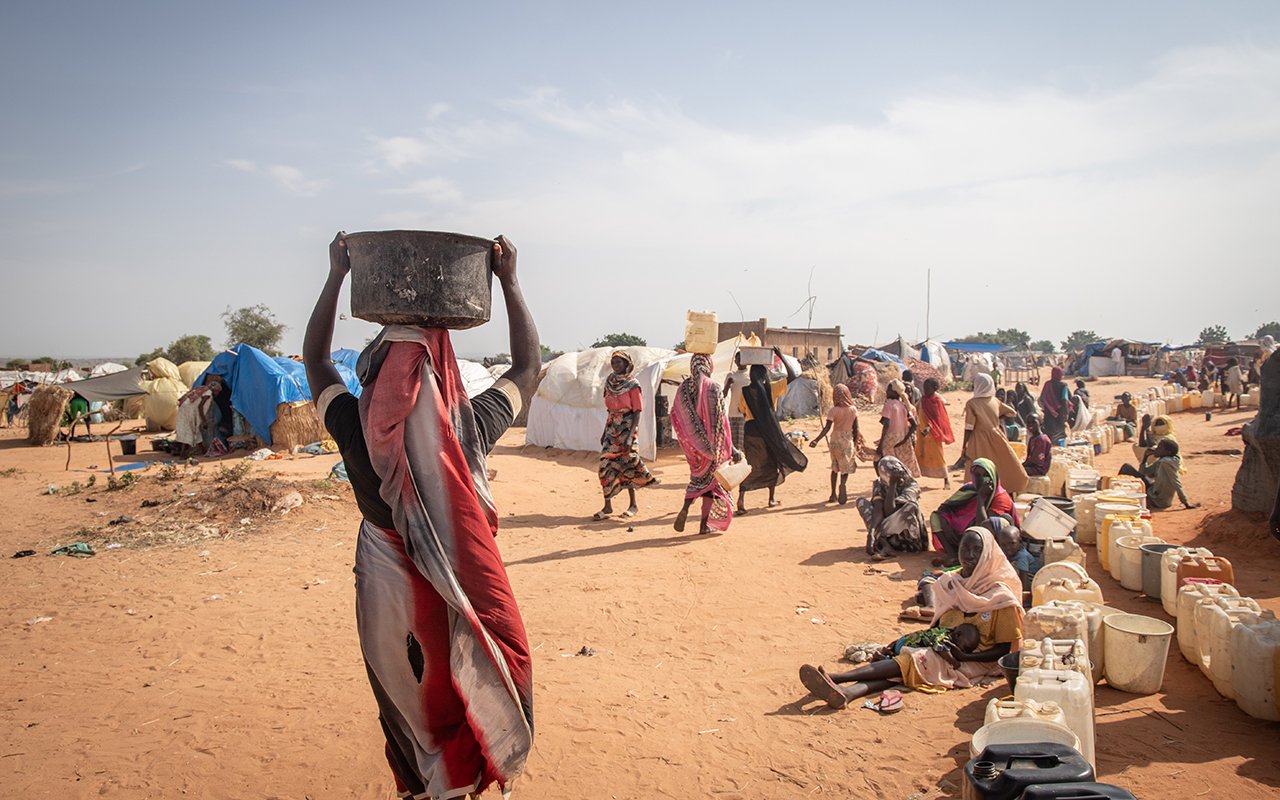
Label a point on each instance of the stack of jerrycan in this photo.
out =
(1189, 596)
(1113, 527)
(1086, 506)
(1006, 771)
(1169, 575)
(1070, 619)
(1214, 621)
(1009, 720)
(1070, 686)
(1064, 580)
(1047, 653)
(1255, 665)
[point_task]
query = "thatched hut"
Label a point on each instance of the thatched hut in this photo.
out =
(44, 413)
(296, 424)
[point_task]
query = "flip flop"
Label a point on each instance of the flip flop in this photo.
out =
(890, 702)
(599, 516)
(821, 686)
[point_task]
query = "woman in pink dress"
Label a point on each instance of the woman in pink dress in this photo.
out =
(620, 464)
(898, 428)
(700, 423)
(845, 441)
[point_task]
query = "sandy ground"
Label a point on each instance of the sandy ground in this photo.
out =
(229, 667)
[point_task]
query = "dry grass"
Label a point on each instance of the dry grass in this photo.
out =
(296, 424)
(44, 414)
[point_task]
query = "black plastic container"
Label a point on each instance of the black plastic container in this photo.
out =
(1024, 764)
(1076, 791)
(425, 278)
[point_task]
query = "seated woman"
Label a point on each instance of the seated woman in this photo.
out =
(1024, 403)
(892, 515)
(985, 593)
(977, 501)
(1161, 470)
(1127, 413)
(1039, 450)
(1151, 433)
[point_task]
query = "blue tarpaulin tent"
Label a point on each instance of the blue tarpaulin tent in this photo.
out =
(976, 347)
(872, 354)
(259, 383)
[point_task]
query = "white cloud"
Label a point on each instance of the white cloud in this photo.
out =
(241, 164)
(293, 180)
(435, 190)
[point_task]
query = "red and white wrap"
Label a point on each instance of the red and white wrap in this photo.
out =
(443, 640)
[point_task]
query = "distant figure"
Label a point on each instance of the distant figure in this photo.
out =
(77, 411)
(898, 427)
(620, 464)
(1055, 400)
(1233, 384)
(845, 441)
(700, 424)
(984, 438)
(934, 433)
(771, 455)
(734, 383)
(912, 394)
(1161, 471)
(1039, 450)
(1024, 403)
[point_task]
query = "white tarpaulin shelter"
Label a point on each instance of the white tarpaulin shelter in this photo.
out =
(476, 377)
(936, 356)
(107, 368)
(568, 413)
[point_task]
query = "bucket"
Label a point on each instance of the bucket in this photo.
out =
(1127, 560)
(1046, 519)
(1010, 663)
(128, 445)
(755, 356)
(1137, 648)
(1021, 730)
(425, 278)
(1152, 555)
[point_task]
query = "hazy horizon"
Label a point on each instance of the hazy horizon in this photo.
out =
(1098, 166)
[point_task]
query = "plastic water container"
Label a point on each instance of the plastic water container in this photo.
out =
(1064, 580)
(1137, 650)
(1126, 562)
(1113, 527)
(1212, 567)
(1058, 471)
(1019, 449)
(1169, 575)
(1152, 563)
(1010, 707)
(1039, 485)
(1064, 570)
(1068, 654)
(1255, 666)
(1004, 771)
(1070, 619)
(701, 332)
(1086, 518)
(1062, 550)
(1046, 521)
(1076, 790)
(1023, 730)
(1188, 596)
(1071, 691)
(1021, 509)
(755, 356)
(1197, 401)
(1214, 622)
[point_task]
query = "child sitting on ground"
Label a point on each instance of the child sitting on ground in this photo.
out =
(1027, 565)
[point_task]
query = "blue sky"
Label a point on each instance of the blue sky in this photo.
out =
(1094, 165)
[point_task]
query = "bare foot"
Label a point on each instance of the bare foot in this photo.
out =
(742, 512)
(821, 686)
(844, 495)
(681, 519)
(831, 499)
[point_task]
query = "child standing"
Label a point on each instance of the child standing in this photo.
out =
(842, 425)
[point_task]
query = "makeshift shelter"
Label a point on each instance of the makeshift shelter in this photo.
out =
(191, 370)
(900, 348)
(106, 368)
(163, 390)
(44, 414)
(935, 355)
(568, 413)
(113, 386)
(266, 389)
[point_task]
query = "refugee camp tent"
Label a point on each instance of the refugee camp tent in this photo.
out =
(568, 412)
(192, 370)
(935, 355)
(160, 408)
(900, 348)
(112, 386)
(106, 368)
(475, 376)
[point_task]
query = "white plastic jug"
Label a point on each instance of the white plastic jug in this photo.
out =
(1255, 666)
(1063, 550)
(1068, 619)
(1188, 597)
(1169, 575)
(1012, 708)
(1211, 616)
(1046, 521)
(1084, 590)
(1046, 653)
(1127, 560)
(701, 332)
(1086, 519)
(1137, 651)
(1071, 691)
(1021, 730)
(1222, 616)
(1115, 526)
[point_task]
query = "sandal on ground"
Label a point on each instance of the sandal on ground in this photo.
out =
(890, 702)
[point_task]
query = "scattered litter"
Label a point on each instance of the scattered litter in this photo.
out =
(339, 471)
(121, 520)
(875, 571)
(261, 455)
(245, 520)
(213, 597)
(287, 503)
(23, 554)
(802, 609)
(709, 730)
(861, 652)
(51, 489)
(585, 651)
(203, 554)
(78, 549)
(818, 620)
(151, 503)
(631, 529)
(38, 620)
(130, 611)
(91, 499)
(114, 546)
(314, 582)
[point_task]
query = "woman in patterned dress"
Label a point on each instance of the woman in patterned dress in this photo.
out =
(620, 464)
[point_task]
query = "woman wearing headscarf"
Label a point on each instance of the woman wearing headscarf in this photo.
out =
(984, 435)
(620, 464)
(700, 423)
(845, 441)
(985, 592)
(1081, 414)
(892, 515)
(1055, 399)
(897, 427)
(977, 501)
(771, 455)
(1152, 432)
(1024, 403)
(935, 432)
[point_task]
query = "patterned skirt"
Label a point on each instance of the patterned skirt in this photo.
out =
(620, 464)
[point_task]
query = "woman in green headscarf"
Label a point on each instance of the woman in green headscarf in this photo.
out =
(977, 501)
